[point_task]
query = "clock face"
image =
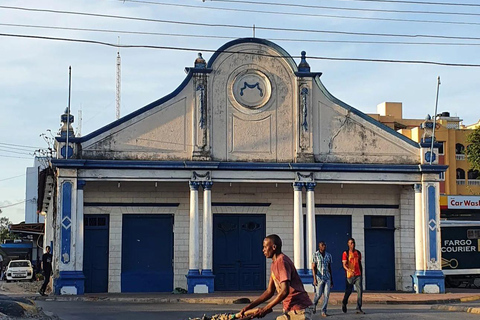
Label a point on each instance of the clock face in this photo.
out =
(251, 89)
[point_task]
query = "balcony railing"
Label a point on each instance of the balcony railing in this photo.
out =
(461, 182)
(473, 182)
(460, 156)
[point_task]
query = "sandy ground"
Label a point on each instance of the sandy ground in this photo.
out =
(21, 287)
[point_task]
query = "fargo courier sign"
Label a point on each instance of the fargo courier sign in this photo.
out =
(463, 202)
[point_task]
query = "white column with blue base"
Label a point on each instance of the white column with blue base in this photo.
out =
(298, 234)
(428, 277)
(69, 259)
(205, 283)
(193, 245)
(311, 238)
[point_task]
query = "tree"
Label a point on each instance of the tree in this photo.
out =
(473, 150)
(4, 231)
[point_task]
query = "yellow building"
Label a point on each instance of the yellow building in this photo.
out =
(460, 180)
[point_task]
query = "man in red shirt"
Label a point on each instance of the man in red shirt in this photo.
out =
(286, 281)
(352, 263)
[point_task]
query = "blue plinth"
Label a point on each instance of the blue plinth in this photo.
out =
(69, 279)
(194, 278)
(306, 276)
(428, 277)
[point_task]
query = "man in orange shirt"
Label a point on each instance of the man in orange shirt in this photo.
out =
(352, 263)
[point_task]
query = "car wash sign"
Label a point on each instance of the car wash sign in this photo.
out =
(463, 202)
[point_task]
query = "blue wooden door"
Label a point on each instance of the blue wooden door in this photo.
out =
(379, 253)
(238, 261)
(95, 253)
(334, 231)
(147, 253)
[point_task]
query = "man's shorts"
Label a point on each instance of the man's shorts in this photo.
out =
(305, 314)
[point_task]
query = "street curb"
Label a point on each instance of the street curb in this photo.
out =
(230, 300)
(475, 310)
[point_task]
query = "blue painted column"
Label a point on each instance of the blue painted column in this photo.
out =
(428, 277)
(70, 280)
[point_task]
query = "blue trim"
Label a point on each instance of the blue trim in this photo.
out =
(81, 184)
(422, 278)
(198, 70)
(69, 279)
(194, 278)
(298, 186)
(207, 185)
(70, 150)
(310, 186)
(66, 222)
(356, 206)
(132, 204)
(306, 276)
(432, 225)
(249, 166)
(194, 185)
(240, 204)
(308, 74)
(267, 43)
(363, 115)
(136, 113)
(17, 245)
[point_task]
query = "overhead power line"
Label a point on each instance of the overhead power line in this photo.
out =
(186, 23)
(232, 51)
(335, 8)
(10, 178)
(5, 156)
(231, 38)
(15, 204)
(16, 152)
(243, 26)
(305, 14)
(19, 145)
(421, 2)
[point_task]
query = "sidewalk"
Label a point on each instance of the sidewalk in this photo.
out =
(232, 297)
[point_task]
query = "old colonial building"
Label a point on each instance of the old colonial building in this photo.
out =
(181, 192)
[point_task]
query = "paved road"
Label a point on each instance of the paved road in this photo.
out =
(79, 310)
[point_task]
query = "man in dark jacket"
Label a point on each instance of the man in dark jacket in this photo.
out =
(47, 269)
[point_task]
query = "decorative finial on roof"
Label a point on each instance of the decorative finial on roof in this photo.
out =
(200, 62)
(303, 66)
(67, 125)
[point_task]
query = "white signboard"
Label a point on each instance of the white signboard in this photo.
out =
(463, 202)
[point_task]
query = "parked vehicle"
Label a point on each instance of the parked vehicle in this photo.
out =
(461, 253)
(19, 270)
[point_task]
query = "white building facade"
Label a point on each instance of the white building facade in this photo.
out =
(181, 192)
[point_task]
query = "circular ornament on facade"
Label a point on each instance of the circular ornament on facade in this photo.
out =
(251, 89)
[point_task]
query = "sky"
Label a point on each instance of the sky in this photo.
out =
(34, 71)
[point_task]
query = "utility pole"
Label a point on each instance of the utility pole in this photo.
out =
(68, 108)
(118, 87)
(434, 120)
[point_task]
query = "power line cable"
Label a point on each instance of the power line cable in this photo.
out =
(448, 64)
(19, 145)
(16, 152)
(333, 7)
(15, 204)
(5, 156)
(305, 14)
(240, 26)
(420, 2)
(10, 178)
(226, 37)
(17, 148)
